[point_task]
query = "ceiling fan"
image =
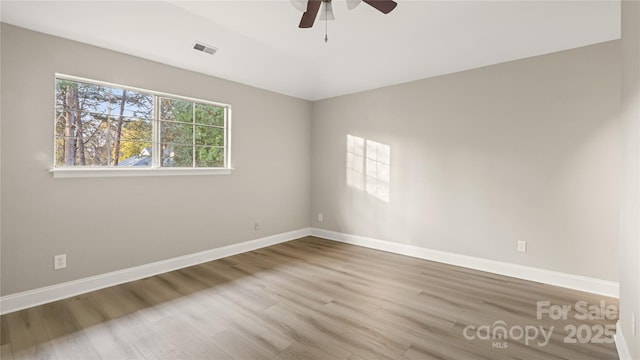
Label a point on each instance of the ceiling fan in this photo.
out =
(312, 7)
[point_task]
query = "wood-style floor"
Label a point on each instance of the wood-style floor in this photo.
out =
(305, 299)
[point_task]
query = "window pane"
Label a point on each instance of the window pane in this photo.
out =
(69, 153)
(59, 151)
(136, 130)
(98, 149)
(85, 141)
(64, 146)
(176, 110)
(134, 153)
(176, 133)
(207, 135)
(97, 140)
(133, 148)
(72, 95)
(61, 121)
(209, 114)
(177, 155)
(207, 156)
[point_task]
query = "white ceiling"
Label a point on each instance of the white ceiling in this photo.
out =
(260, 44)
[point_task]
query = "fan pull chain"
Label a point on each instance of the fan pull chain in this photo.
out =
(326, 20)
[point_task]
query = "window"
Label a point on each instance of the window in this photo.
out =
(113, 129)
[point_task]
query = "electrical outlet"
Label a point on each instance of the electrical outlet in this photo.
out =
(59, 262)
(320, 217)
(522, 246)
(256, 226)
(634, 325)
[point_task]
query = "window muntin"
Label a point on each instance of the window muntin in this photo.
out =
(111, 126)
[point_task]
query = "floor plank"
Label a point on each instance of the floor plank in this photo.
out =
(307, 299)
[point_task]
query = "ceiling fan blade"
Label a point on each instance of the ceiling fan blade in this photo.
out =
(309, 16)
(384, 6)
(352, 4)
(326, 12)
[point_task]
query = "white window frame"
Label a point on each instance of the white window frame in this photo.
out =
(155, 169)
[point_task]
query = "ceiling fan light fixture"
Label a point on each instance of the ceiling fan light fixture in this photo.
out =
(300, 5)
(352, 4)
(326, 13)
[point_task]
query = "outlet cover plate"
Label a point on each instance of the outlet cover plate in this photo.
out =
(522, 246)
(59, 262)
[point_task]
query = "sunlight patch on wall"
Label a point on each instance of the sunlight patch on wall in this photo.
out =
(369, 167)
(355, 162)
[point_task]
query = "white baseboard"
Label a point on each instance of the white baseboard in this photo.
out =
(621, 344)
(576, 282)
(26, 299)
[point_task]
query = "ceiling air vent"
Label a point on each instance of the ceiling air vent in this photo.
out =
(204, 48)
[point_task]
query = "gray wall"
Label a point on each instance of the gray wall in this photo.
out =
(630, 194)
(106, 224)
(526, 150)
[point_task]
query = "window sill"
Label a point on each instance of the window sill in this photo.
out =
(121, 172)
